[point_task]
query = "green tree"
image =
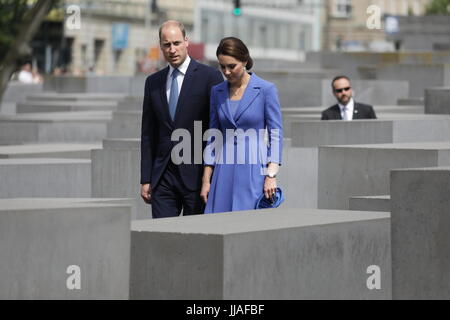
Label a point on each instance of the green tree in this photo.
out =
(11, 14)
(438, 7)
(19, 22)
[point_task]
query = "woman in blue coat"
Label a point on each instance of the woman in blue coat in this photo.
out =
(242, 159)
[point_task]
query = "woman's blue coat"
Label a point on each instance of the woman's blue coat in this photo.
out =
(240, 162)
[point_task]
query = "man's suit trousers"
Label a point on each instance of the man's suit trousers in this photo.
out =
(171, 197)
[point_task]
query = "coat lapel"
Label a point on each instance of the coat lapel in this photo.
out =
(250, 93)
(223, 99)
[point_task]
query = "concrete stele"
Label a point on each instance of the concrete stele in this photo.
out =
(45, 177)
(265, 254)
(420, 205)
(363, 170)
(437, 100)
(64, 249)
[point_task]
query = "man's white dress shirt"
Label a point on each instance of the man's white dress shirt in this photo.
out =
(182, 72)
(347, 114)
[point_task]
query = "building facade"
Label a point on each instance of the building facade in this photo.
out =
(272, 29)
(119, 36)
(351, 25)
(425, 33)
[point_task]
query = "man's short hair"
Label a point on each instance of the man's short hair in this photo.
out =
(177, 23)
(338, 78)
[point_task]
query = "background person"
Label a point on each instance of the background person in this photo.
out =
(346, 108)
(26, 75)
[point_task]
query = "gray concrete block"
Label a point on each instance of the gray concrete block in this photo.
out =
(298, 87)
(314, 133)
(277, 64)
(363, 170)
(7, 108)
(90, 84)
(61, 106)
(349, 61)
(125, 125)
(65, 84)
(267, 254)
(290, 115)
(314, 113)
(298, 177)
(420, 238)
(137, 85)
(17, 91)
(89, 126)
(45, 177)
(49, 150)
(31, 132)
(437, 100)
(132, 103)
(411, 102)
(370, 203)
(420, 76)
(115, 201)
(116, 173)
(403, 128)
(110, 84)
(80, 96)
(41, 238)
(425, 128)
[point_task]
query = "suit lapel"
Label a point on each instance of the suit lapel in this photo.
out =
(356, 111)
(163, 93)
(250, 93)
(337, 112)
(185, 88)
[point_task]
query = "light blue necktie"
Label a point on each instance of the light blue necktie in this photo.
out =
(345, 113)
(173, 98)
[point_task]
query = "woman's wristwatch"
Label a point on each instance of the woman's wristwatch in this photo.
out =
(271, 175)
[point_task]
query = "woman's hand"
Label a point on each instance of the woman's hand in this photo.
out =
(206, 183)
(270, 186)
(206, 186)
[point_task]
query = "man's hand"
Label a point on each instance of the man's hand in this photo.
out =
(206, 186)
(146, 193)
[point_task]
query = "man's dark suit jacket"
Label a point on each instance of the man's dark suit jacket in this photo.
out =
(157, 125)
(360, 111)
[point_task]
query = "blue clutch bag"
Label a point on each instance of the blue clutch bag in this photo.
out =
(273, 202)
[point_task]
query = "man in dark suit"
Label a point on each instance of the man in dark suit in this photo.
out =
(174, 98)
(347, 108)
